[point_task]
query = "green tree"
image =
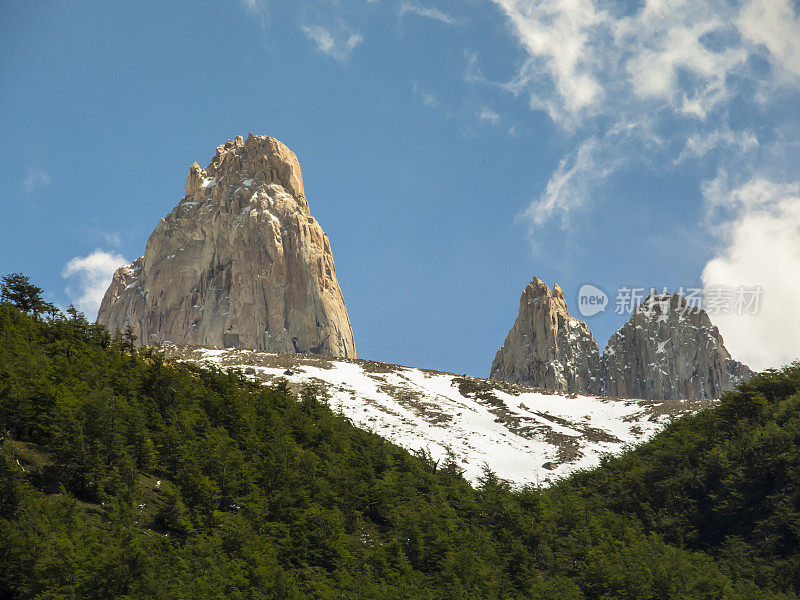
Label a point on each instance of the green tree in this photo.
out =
(149, 478)
(17, 289)
(128, 339)
(12, 488)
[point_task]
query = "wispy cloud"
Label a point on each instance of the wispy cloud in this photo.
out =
(426, 13)
(675, 66)
(701, 143)
(578, 175)
(473, 74)
(112, 239)
(257, 8)
(569, 186)
(89, 278)
(560, 73)
(424, 96)
(487, 115)
(36, 179)
(337, 45)
(583, 60)
(254, 5)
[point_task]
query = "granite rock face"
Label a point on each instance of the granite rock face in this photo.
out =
(547, 347)
(669, 351)
(239, 262)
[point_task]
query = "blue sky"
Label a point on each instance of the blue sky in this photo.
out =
(451, 150)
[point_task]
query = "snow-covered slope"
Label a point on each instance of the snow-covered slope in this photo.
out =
(525, 435)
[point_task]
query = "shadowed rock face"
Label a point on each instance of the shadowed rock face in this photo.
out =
(667, 351)
(547, 347)
(239, 262)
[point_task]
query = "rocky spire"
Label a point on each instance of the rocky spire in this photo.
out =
(669, 351)
(239, 261)
(547, 347)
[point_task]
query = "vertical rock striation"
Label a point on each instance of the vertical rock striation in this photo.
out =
(547, 347)
(669, 351)
(239, 262)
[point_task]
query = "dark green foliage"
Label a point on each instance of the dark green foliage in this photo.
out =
(17, 290)
(726, 481)
(144, 479)
(12, 488)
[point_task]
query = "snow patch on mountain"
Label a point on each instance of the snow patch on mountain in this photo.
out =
(525, 435)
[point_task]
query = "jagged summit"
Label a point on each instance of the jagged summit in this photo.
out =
(547, 347)
(669, 350)
(262, 158)
(238, 262)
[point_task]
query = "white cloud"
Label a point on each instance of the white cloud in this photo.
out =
(559, 38)
(668, 58)
(760, 237)
(473, 74)
(426, 12)
(674, 66)
(429, 99)
(584, 60)
(569, 186)
(35, 179)
(774, 24)
(701, 143)
(353, 41)
(90, 277)
(572, 184)
(336, 45)
(489, 116)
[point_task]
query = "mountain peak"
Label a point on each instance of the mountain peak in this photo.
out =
(668, 350)
(239, 262)
(547, 347)
(260, 158)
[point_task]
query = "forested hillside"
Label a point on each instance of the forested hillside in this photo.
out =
(122, 475)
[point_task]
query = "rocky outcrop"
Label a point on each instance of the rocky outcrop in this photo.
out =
(547, 347)
(669, 351)
(238, 262)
